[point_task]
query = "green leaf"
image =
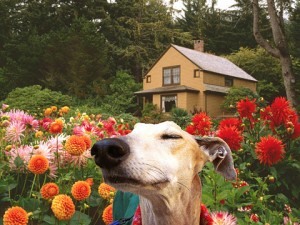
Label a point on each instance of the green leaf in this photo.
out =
(49, 219)
(80, 219)
(18, 162)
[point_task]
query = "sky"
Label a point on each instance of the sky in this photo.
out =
(221, 4)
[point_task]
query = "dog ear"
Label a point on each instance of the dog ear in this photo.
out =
(219, 154)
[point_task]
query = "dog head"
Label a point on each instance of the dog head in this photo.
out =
(154, 157)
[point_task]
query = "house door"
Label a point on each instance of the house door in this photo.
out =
(168, 102)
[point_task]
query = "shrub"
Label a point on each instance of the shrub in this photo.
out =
(34, 99)
(152, 114)
(234, 95)
(181, 117)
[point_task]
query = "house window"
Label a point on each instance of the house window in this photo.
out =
(228, 81)
(168, 102)
(171, 75)
(197, 73)
(148, 79)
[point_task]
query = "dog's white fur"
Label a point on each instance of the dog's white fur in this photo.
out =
(164, 163)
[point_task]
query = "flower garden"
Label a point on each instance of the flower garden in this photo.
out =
(47, 175)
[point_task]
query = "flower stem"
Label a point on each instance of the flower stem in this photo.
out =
(33, 182)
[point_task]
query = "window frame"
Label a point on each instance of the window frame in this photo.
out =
(168, 95)
(171, 75)
(230, 79)
(148, 79)
(197, 73)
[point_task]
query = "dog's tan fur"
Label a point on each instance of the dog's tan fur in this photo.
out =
(164, 163)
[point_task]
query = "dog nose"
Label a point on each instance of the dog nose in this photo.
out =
(110, 152)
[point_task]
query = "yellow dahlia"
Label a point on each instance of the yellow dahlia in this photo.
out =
(75, 145)
(65, 109)
(15, 216)
(48, 112)
(106, 191)
(38, 164)
(53, 108)
(63, 207)
(107, 215)
(49, 190)
(81, 190)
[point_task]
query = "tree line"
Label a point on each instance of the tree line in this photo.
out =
(77, 47)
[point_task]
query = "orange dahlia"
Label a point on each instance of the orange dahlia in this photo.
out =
(106, 191)
(49, 190)
(87, 141)
(81, 190)
(38, 164)
(107, 215)
(15, 216)
(75, 145)
(63, 207)
(269, 150)
(56, 127)
(90, 181)
(65, 109)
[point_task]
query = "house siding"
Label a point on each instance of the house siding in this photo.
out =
(173, 58)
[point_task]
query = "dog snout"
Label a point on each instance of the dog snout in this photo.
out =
(110, 152)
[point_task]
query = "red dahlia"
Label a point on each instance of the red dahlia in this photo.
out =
(269, 150)
(232, 136)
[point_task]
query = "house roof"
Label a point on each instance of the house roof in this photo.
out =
(213, 63)
(167, 89)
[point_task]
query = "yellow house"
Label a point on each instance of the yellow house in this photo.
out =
(192, 80)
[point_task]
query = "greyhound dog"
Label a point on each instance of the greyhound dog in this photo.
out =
(160, 163)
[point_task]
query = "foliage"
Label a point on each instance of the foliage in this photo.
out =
(181, 117)
(138, 31)
(34, 99)
(234, 95)
(152, 114)
(265, 68)
(121, 98)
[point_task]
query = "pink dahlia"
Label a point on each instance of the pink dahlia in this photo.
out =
(223, 218)
(14, 132)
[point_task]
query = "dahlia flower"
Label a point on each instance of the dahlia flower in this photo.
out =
(75, 145)
(56, 127)
(38, 164)
(269, 150)
(107, 215)
(14, 131)
(223, 218)
(205, 217)
(19, 157)
(81, 190)
(15, 216)
(231, 122)
(201, 125)
(232, 136)
(246, 108)
(63, 207)
(106, 191)
(49, 190)
(254, 217)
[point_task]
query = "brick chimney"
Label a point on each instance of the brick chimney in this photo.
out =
(199, 45)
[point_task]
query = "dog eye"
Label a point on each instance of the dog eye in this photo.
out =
(170, 136)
